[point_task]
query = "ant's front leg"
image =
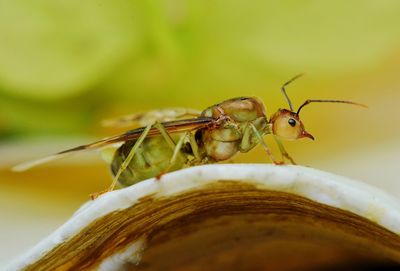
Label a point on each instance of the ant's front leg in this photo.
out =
(283, 151)
(248, 143)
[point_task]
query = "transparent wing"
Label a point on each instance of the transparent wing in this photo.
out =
(149, 117)
(171, 127)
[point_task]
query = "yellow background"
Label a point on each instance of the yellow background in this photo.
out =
(66, 65)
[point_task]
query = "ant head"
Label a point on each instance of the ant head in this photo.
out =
(287, 124)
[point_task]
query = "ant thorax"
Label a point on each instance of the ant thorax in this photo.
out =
(235, 134)
(240, 109)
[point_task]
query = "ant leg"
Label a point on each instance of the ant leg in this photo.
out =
(194, 146)
(283, 151)
(126, 162)
(247, 144)
(265, 147)
(175, 147)
(165, 135)
(177, 151)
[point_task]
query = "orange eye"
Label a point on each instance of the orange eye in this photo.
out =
(292, 122)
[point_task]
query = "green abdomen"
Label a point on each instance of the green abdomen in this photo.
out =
(151, 159)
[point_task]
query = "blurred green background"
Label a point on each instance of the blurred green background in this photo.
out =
(65, 65)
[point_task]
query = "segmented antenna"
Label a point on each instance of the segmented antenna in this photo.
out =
(328, 101)
(284, 90)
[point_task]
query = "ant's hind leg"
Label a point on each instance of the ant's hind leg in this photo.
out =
(125, 163)
(283, 151)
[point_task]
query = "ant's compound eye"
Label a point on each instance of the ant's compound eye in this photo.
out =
(292, 122)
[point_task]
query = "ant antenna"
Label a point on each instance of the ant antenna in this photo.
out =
(284, 90)
(328, 101)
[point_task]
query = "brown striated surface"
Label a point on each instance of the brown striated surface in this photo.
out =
(230, 225)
